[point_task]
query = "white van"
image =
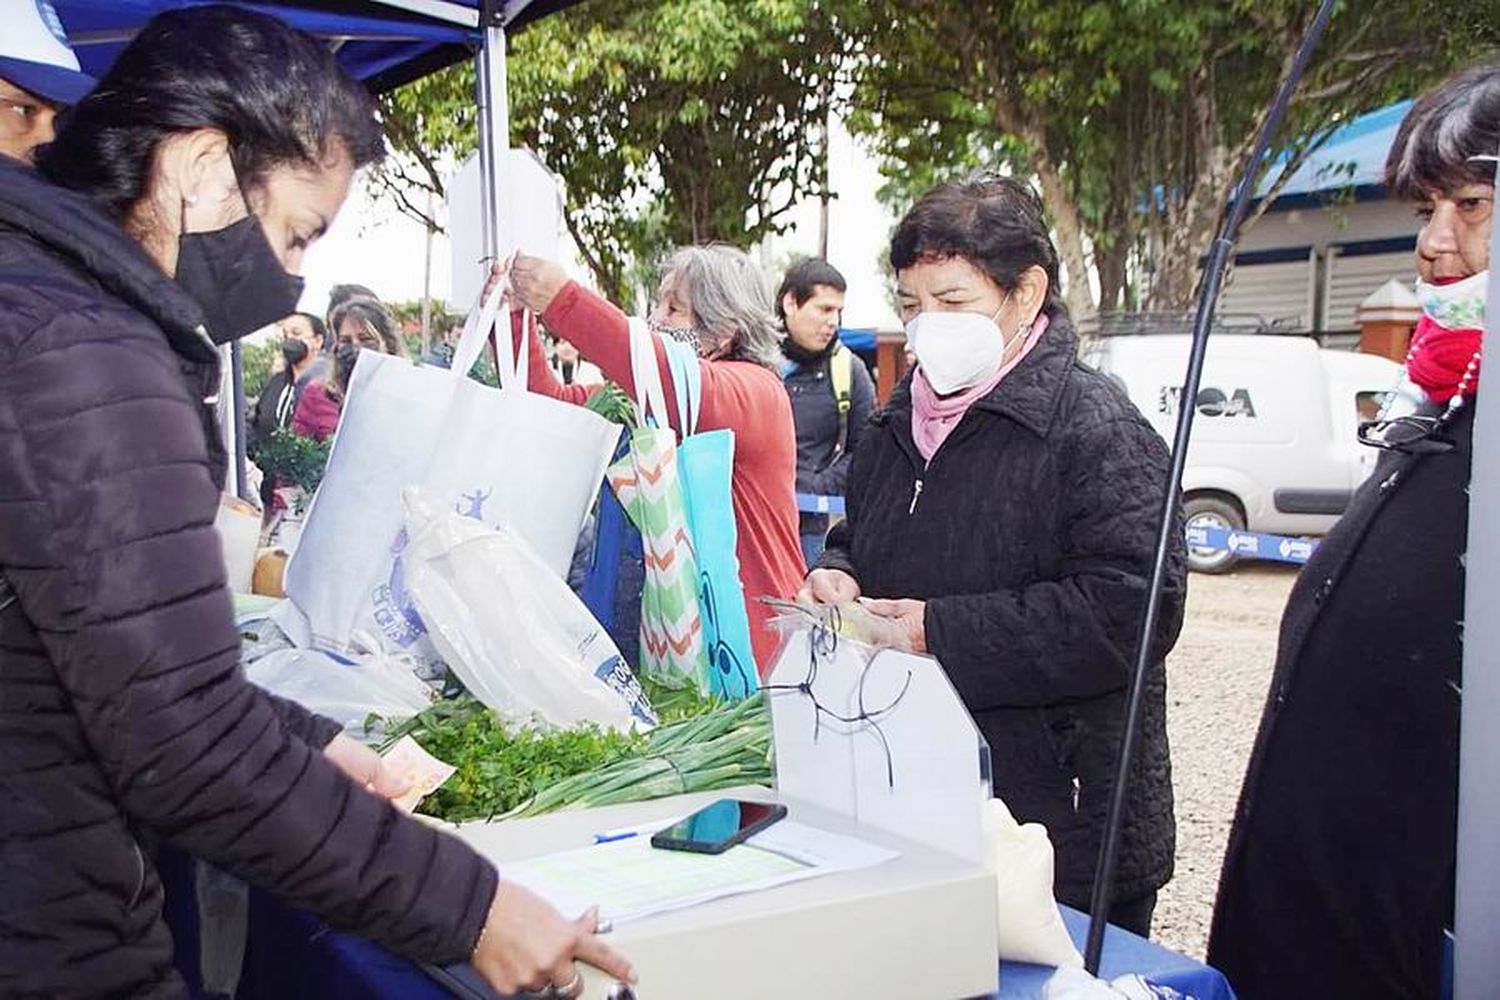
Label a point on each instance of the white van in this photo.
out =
(1274, 446)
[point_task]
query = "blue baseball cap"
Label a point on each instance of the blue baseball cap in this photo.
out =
(35, 56)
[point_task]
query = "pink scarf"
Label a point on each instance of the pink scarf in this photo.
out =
(934, 417)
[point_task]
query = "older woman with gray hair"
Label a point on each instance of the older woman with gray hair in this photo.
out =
(715, 299)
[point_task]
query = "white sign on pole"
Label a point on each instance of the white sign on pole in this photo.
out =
(531, 217)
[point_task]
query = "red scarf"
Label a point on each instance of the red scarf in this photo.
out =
(1439, 357)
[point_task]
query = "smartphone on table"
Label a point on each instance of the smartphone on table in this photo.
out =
(716, 828)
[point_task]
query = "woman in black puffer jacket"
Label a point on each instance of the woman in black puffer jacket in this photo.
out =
(217, 148)
(1003, 511)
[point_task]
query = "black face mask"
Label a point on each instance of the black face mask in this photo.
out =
(234, 275)
(294, 351)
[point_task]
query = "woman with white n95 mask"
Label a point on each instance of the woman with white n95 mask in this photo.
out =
(1002, 514)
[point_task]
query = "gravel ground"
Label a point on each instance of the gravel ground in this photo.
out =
(1216, 684)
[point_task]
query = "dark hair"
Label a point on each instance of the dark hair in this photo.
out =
(316, 322)
(1457, 119)
(340, 294)
(276, 93)
(376, 319)
(804, 278)
(994, 222)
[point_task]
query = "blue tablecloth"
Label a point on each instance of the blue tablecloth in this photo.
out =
(1124, 953)
(291, 953)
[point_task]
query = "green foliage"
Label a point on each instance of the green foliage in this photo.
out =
(1138, 113)
(431, 124)
(671, 122)
(294, 460)
(611, 403)
(679, 121)
(255, 364)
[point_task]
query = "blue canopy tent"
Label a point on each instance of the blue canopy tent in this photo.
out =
(383, 42)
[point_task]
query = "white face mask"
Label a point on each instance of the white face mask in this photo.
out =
(1458, 305)
(956, 350)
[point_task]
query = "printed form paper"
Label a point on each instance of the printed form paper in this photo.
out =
(629, 879)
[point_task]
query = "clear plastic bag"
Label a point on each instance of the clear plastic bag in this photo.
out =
(347, 690)
(510, 628)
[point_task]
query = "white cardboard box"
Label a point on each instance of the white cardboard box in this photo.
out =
(921, 927)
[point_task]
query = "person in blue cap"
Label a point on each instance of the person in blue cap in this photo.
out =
(39, 75)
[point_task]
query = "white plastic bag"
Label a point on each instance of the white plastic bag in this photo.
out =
(501, 456)
(1031, 927)
(518, 638)
(349, 691)
(1075, 984)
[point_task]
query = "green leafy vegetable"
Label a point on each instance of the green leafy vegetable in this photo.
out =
(508, 770)
(611, 403)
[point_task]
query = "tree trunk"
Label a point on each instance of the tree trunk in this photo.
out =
(1068, 223)
(1110, 264)
(1192, 217)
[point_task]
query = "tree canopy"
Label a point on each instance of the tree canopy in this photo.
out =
(1136, 117)
(688, 121)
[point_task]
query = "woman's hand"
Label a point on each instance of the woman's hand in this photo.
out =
(535, 282)
(366, 767)
(828, 586)
(909, 621)
(527, 946)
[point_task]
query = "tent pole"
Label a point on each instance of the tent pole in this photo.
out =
(494, 132)
(240, 458)
(494, 125)
(1477, 906)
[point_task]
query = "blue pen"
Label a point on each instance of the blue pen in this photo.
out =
(609, 838)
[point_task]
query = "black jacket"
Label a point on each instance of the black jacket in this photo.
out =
(123, 708)
(821, 468)
(1031, 538)
(1339, 871)
(264, 420)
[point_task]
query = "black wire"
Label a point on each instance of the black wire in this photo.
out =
(823, 643)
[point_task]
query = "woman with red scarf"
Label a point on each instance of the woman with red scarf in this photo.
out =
(1339, 876)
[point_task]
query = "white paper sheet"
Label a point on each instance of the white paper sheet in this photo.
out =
(629, 879)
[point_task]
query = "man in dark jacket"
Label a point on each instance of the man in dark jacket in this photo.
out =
(832, 394)
(1030, 537)
(123, 709)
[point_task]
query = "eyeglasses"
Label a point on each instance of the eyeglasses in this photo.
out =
(824, 641)
(1412, 435)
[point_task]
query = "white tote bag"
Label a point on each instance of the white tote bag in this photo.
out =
(506, 457)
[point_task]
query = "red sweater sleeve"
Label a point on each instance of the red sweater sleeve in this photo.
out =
(317, 414)
(738, 395)
(601, 332)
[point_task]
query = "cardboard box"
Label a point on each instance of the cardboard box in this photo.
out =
(921, 927)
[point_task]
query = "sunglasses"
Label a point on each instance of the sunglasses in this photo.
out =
(1412, 435)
